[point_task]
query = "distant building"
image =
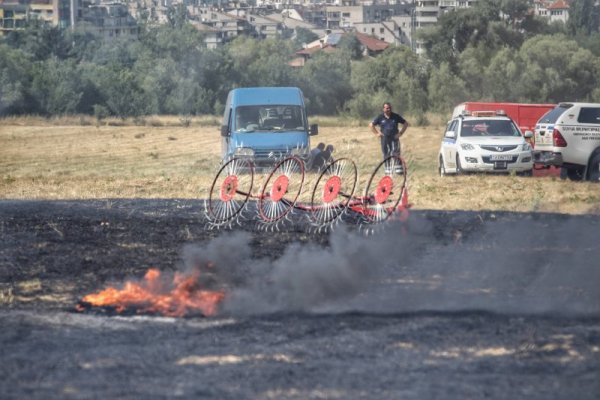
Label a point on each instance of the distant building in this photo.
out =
(553, 10)
(370, 47)
(107, 19)
(345, 16)
(14, 14)
(397, 30)
(427, 12)
(230, 26)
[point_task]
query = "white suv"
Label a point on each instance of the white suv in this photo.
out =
(569, 137)
(484, 141)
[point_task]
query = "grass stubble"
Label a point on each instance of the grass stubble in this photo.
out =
(171, 157)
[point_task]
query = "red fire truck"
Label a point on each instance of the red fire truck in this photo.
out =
(525, 116)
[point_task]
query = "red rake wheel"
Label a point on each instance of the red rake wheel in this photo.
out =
(281, 189)
(384, 190)
(230, 191)
(333, 191)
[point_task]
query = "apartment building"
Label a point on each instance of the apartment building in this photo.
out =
(346, 16)
(14, 14)
(397, 30)
(427, 12)
(109, 21)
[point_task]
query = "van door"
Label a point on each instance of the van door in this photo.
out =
(225, 132)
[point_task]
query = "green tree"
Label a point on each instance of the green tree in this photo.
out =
(505, 67)
(177, 16)
(399, 74)
(325, 81)
(457, 29)
(557, 69)
(515, 11)
(471, 66)
(121, 90)
(445, 89)
(584, 17)
(15, 74)
(351, 45)
(303, 36)
(57, 87)
(261, 62)
(40, 41)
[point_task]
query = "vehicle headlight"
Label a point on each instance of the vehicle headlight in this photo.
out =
(244, 152)
(526, 147)
(467, 146)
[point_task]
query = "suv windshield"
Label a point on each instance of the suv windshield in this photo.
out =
(488, 127)
(269, 118)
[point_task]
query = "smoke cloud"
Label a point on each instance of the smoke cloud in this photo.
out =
(507, 264)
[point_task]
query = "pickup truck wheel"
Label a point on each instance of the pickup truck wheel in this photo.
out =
(574, 174)
(594, 169)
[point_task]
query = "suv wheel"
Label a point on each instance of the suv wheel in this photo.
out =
(594, 168)
(441, 167)
(459, 170)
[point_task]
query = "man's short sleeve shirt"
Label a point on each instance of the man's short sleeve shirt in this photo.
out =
(389, 126)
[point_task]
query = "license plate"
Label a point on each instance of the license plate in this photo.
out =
(500, 165)
(501, 157)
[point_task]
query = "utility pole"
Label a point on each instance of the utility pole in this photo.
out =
(72, 9)
(413, 23)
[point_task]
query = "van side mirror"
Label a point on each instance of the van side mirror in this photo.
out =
(313, 130)
(224, 130)
(528, 135)
(450, 134)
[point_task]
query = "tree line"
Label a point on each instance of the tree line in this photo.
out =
(494, 51)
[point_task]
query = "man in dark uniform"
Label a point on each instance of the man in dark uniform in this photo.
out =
(389, 133)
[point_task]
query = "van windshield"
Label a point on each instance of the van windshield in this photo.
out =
(269, 118)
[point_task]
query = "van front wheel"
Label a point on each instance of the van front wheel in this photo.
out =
(594, 168)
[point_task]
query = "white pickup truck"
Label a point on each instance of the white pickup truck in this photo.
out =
(569, 137)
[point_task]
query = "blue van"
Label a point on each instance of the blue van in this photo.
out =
(265, 124)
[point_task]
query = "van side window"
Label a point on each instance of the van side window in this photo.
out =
(589, 115)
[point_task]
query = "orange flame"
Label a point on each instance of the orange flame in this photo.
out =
(153, 295)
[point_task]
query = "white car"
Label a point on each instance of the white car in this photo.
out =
(484, 141)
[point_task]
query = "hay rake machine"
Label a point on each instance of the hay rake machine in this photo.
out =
(331, 198)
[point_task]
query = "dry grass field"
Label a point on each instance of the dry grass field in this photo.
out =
(166, 157)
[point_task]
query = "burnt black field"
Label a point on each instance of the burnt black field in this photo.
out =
(448, 305)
